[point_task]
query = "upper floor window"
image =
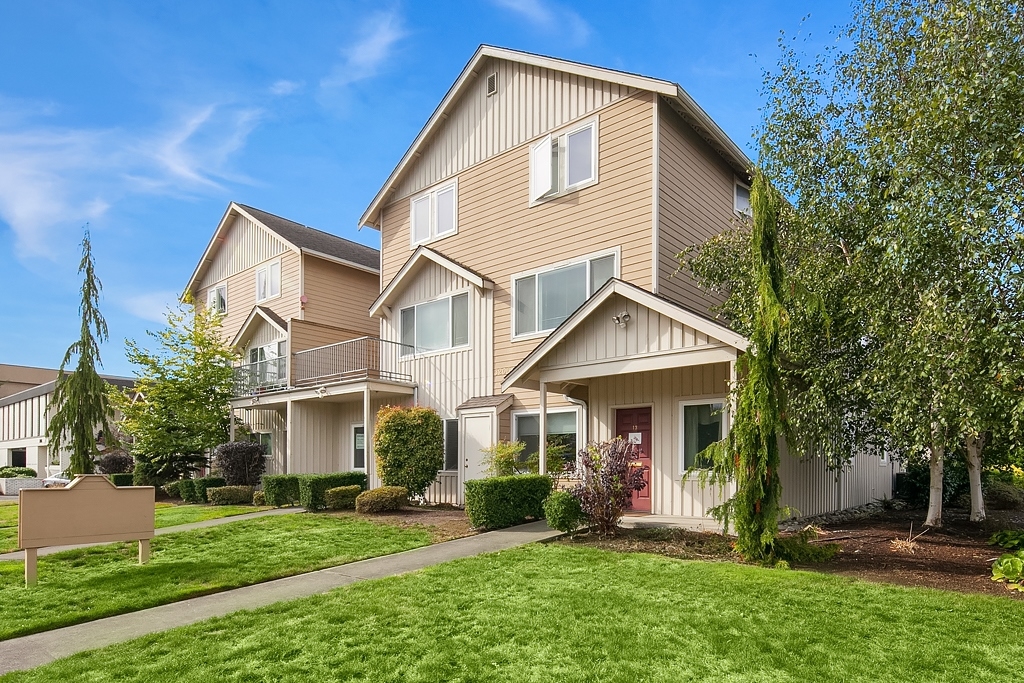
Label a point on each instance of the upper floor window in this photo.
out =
(741, 200)
(434, 213)
(563, 163)
(543, 300)
(268, 281)
(435, 325)
(217, 298)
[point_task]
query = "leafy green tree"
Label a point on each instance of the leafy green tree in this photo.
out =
(179, 409)
(79, 403)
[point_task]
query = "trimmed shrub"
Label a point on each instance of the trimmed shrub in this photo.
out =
(173, 489)
(281, 489)
(115, 463)
(258, 498)
(230, 495)
(204, 483)
(122, 479)
(241, 462)
(1003, 496)
(409, 443)
(11, 472)
(342, 497)
(147, 474)
(383, 499)
(500, 502)
(187, 490)
(563, 512)
(312, 487)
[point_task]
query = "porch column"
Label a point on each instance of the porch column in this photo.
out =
(543, 447)
(231, 424)
(289, 434)
(371, 469)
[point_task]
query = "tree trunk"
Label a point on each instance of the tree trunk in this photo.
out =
(974, 446)
(935, 465)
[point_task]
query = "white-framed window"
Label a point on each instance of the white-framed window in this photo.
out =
(741, 199)
(564, 162)
(269, 363)
(359, 448)
(266, 440)
(451, 445)
(563, 432)
(544, 299)
(217, 298)
(268, 281)
(435, 213)
(435, 325)
(702, 422)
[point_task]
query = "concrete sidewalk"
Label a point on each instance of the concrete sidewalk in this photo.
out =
(43, 552)
(41, 648)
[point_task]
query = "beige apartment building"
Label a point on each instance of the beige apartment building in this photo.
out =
(527, 289)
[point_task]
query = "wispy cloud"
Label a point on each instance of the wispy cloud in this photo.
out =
(150, 306)
(56, 178)
(549, 17)
(284, 87)
(364, 58)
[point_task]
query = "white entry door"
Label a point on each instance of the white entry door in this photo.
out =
(477, 434)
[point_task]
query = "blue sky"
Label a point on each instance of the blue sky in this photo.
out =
(145, 119)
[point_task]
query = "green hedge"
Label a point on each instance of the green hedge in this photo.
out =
(230, 495)
(383, 499)
(173, 489)
(11, 472)
(342, 497)
(281, 489)
(187, 490)
(563, 512)
(500, 502)
(122, 479)
(313, 487)
(204, 483)
(259, 498)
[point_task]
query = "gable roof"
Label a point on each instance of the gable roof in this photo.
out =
(299, 238)
(673, 93)
(412, 266)
(47, 387)
(641, 296)
(255, 317)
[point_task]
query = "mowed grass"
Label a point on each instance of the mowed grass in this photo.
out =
(167, 514)
(82, 585)
(558, 613)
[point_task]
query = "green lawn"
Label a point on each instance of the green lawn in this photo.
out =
(82, 585)
(167, 514)
(558, 613)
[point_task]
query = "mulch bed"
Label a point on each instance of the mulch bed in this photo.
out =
(956, 557)
(443, 523)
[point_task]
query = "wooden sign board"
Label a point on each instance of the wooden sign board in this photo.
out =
(89, 510)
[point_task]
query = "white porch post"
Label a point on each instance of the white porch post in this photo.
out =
(543, 447)
(370, 463)
(231, 424)
(289, 441)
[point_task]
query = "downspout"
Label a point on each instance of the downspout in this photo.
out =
(586, 417)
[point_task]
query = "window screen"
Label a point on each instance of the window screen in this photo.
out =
(460, 320)
(421, 219)
(445, 211)
(579, 165)
(526, 305)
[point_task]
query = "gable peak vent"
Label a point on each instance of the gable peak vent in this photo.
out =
(492, 83)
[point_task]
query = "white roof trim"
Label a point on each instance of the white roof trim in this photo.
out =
(640, 296)
(425, 253)
(218, 236)
(667, 89)
(243, 330)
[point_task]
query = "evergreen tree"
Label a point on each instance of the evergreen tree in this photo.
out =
(79, 403)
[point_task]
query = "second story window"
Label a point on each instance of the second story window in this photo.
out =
(543, 300)
(741, 200)
(434, 213)
(435, 325)
(217, 298)
(268, 281)
(563, 163)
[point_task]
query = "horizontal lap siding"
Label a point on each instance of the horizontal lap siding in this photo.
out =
(695, 203)
(339, 295)
(671, 494)
(500, 234)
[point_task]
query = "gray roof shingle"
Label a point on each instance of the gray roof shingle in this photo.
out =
(305, 237)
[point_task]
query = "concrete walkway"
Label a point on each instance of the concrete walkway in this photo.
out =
(35, 650)
(20, 555)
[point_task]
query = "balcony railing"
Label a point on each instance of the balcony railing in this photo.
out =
(265, 375)
(363, 358)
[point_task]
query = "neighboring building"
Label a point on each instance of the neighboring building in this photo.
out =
(18, 378)
(23, 420)
(296, 308)
(528, 287)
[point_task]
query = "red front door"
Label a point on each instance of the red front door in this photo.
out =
(634, 425)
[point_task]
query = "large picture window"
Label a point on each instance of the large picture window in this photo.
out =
(702, 424)
(561, 433)
(434, 213)
(563, 163)
(435, 325)
(544, 300)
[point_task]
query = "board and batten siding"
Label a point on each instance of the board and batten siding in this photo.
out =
(268, 421)
(695, 202)
(339, 295)
(530, 102)
(500, 234)
(445, 379)
(25, 419)
(672, 493)
(245, 245)
(810, 487)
